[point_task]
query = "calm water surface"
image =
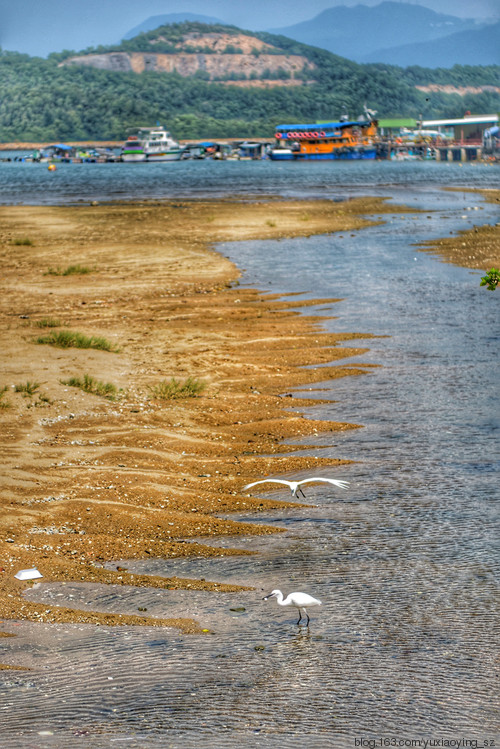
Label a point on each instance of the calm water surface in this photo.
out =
(34, 184)
(405, 645)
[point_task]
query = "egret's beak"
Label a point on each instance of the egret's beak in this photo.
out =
(266, 597)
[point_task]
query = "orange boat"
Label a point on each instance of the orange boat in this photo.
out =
(354, 139)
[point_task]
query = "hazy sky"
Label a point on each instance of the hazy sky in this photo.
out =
(39, 27)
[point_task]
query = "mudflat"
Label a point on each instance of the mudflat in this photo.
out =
(141, 388)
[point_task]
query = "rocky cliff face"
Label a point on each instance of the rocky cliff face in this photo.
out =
(223, 55)
(460, 90)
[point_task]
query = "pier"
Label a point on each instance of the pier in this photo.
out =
(388, 149)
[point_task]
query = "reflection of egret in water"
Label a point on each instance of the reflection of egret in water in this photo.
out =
(301, 637)
(299, 600)
(296, 485)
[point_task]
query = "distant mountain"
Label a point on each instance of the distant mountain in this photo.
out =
(476, 47)
(153, 22)
(357, 32)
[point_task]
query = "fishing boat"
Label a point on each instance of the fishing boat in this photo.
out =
(349, 139)
(133, 149)
(59, 152)
(159, 145)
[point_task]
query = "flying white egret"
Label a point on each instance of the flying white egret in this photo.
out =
(296, 485)
(299, 600)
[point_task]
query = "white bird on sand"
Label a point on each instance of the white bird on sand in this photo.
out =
(299, 600)
(296, 485)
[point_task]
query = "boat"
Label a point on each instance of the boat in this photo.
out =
(159, 145)
(133, 149)
(281, 154)
(347, 139)
(58, 152)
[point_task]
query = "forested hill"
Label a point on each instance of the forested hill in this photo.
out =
(209, 81)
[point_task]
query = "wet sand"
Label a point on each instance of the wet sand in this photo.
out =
(88, 480)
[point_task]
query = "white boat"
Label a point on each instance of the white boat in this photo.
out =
(281, 154)
(159, 145)
(133, 150)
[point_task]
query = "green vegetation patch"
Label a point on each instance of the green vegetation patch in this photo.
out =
(4, 404)
(71, 270)
(72, 339)
(43, 400)
(48, 322)
(91, 385)
(491, 279)
(173, 389)
(27, 389)
(23, 242)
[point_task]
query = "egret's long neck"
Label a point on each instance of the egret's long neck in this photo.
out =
(279, 599)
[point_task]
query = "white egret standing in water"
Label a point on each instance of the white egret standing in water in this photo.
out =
(299, 600)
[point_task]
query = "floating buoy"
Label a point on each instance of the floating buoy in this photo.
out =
(51, 167)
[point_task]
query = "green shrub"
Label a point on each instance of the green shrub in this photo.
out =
(491, 279)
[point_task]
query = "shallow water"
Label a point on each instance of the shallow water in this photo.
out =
(73, 183)
(406, 561)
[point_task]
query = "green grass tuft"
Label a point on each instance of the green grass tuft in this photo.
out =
(23, 242)
(91, 385)
(48, 322)
(76, 270)
(4, 404)
(71, 270)
(42, 401)
(27, 389)
(172, 389)
(72, 339)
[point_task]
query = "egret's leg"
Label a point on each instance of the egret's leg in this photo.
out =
(300, 616)
(307, 618)
(301, 491)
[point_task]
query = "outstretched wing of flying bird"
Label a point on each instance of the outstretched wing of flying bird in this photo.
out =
(267, 481)
(336, 482)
